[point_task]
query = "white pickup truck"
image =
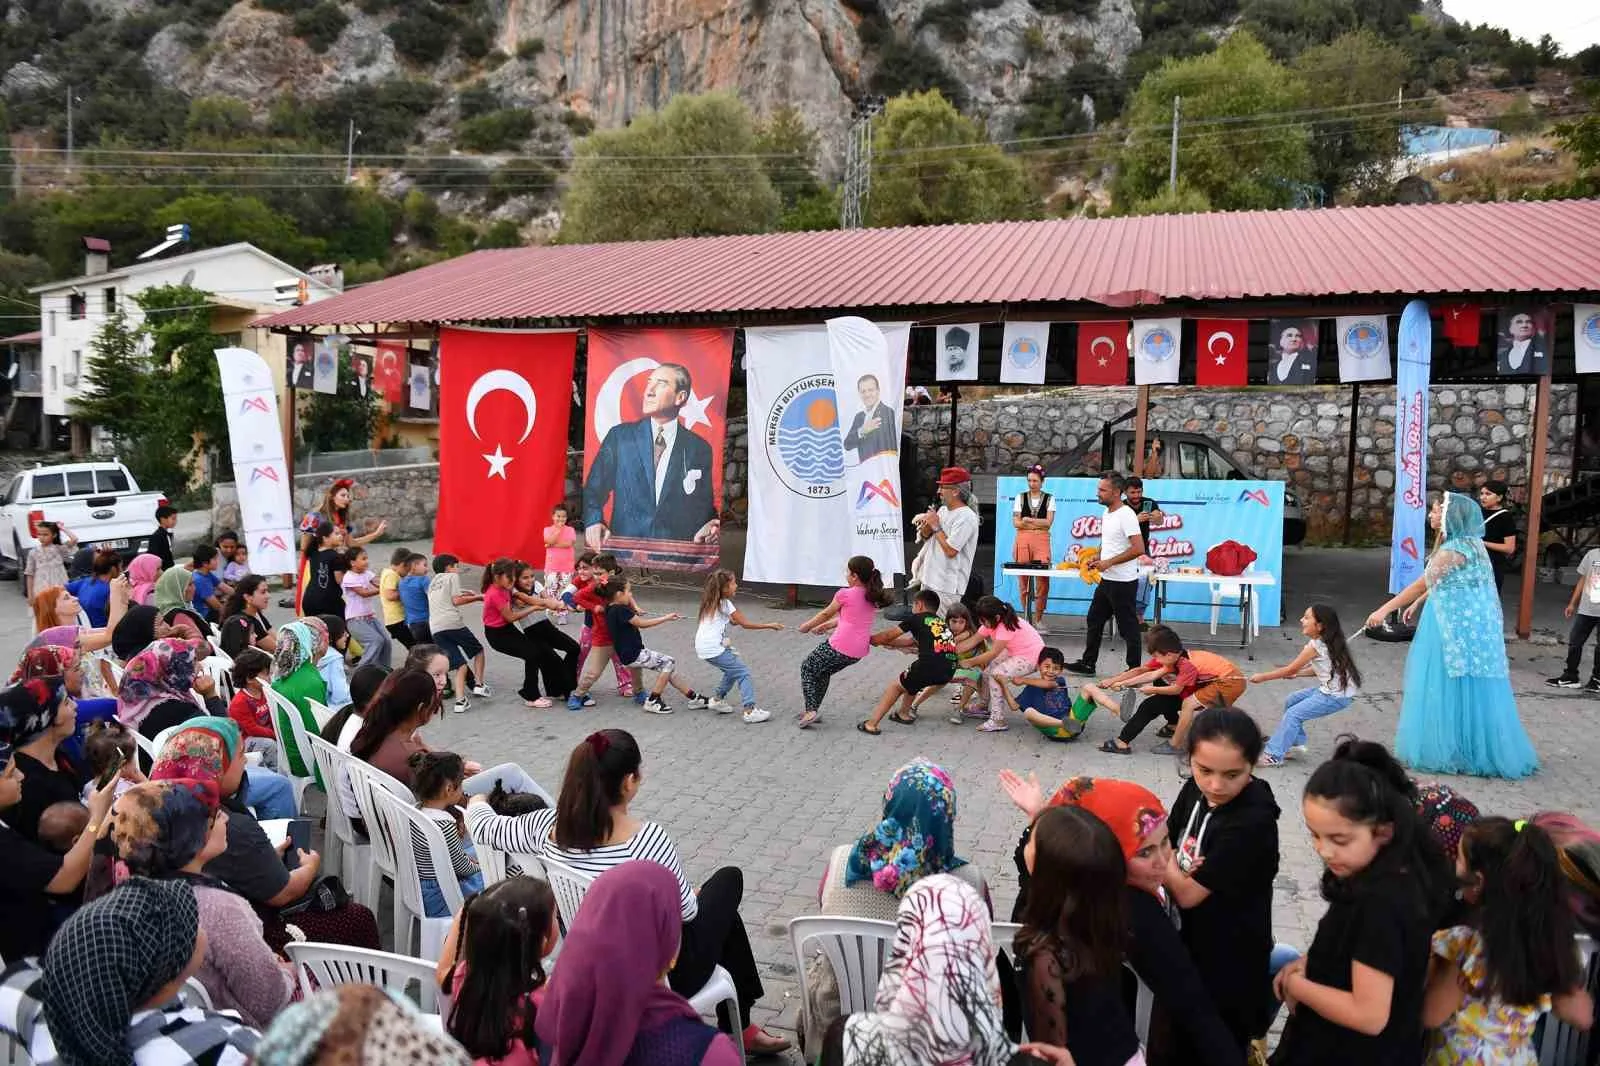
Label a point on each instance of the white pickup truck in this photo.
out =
(98, 502)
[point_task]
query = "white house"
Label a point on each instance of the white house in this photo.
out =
(242, 279)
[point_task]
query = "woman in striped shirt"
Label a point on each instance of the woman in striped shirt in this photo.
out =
(591, 831)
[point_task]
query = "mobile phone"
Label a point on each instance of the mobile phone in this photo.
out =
(299, 836)
(117, 762)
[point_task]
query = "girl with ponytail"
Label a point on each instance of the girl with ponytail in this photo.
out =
(850, 614)
(1491, 979)
(492, 968)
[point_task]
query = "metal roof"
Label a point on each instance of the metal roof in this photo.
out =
(1546, 247)
(33, 336)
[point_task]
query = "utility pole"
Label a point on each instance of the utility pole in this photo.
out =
(69, 129)
(350, 152)
(1172, 161)
(858, 164)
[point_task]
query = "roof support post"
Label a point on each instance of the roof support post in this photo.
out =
(1141, 422)
(1350, 457)
(1530, 550)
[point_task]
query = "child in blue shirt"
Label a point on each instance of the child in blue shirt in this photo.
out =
(206, 601)
(414, 598)
(1045, 701)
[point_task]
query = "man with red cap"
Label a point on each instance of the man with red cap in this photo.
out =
(952, 536)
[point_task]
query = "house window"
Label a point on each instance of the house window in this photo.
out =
(52, 323)
(110, 297)
(77, 306)
(77, 363)
(52, 379)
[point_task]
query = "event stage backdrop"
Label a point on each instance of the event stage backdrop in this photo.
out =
(1198, 514)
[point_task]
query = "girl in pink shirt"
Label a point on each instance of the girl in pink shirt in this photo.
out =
(559, 563)
(851, 612)
(1014, 652)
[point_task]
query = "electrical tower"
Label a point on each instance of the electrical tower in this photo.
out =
(858, 164)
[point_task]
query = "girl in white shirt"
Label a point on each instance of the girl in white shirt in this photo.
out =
(1326, 657)
(711, 644)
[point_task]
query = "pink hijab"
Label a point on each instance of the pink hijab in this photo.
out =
(143, 572)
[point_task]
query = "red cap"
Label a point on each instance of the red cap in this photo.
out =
(954, 475)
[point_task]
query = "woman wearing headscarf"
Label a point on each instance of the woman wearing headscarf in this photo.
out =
(53, 662)
(42, 721)
(32, 873)
(1185, 1027)
(1458, 714)
(168, 831)
(295, 678)
(914, 839)
(159, 685)
(143, 573)
(356, 1025)
(211, 749)
(106, 994)
(938, 999)
(173, 593)
(607, 1004)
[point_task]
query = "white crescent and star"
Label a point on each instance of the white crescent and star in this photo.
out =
(1094, 347)
(501, 381)
(1211, 345)
(608, 400)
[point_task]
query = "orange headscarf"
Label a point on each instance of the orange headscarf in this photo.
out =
(1131, 810)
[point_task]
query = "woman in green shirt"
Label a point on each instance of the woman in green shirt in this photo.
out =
(295, 678)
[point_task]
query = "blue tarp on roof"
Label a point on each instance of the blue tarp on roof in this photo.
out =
(1426, 140)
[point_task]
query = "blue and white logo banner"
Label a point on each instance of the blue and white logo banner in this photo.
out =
(1364, 348)
(1156, 343)
(1408, 544)
(1022, 353)
(1586, 337)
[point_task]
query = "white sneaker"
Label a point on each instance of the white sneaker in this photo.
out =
(700, 703)
(460, 706)
(1297, 749)
(722, 706)
(481, 691)
(754, 716)
(653, 705)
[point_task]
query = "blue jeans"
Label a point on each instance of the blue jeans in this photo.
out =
(270, 795)
(433, 903)
(1298, 709)
(734, 672)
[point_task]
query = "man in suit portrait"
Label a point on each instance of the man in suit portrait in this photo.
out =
(656, 473)
(1521, 347)
(955, 353)
(872, 431)
(300, 365)
(1292, 360)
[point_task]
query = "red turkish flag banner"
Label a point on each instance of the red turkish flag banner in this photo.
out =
(390, 372)
(1222, 351)
(504, 400)
(1460, 324)
(1102, 353)
(655, 414)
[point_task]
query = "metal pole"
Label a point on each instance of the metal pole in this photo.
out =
(1530, 551)
(1141, 420)
(1172, 163)
(69, 129)
(350, 152)
(1350, 457)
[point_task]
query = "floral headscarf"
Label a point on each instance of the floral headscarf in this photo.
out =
(164, 671)
(1132, 811)
(31, 707)
(319, 633)
(142, 574)
(46, 662)
(297, 643)
(172, 590)
(916, 836)
(202, 750)
(159, 826)
(938, 1001)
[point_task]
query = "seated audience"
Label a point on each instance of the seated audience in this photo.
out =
(41, 720)
(174, 598)
(295, 677)
(56, 620)
(331, 659)
(491, 968)
(94, 592)
(342, 727)
(436, 778)
(111, 742)
(1578, 851)
(79, 675)
(106, 991)
(249, 706)
(159, 685)
(591, 830)
(143, 573)
(244, 620)
(168, 831)
(356, 1025)
(62, 824)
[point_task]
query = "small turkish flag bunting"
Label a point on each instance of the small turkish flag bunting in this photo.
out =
(1221, 351)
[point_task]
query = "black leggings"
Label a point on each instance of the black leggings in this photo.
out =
(1152, 708)
(401, 633)
(537, 658)
(717, 937)
(558, 657)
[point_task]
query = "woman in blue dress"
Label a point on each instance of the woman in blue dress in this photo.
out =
(1457, 713)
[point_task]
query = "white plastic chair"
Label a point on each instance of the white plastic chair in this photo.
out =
(1562, 1045)
(147, 746)
(344, 852)
(331, 965)
(1225, 591)
(116, 671)
(285, 712)
(569, 886)
(320, 711)
(194, 994)
(219, 670)
(365, 780)
(856, 948)
(496, 864)
(404, 822)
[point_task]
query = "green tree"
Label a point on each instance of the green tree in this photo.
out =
(1187, 200)
(1356, 148)
(343, 421)
(125, 392)
(222, 218)
(933, 165)
(177, 329)
(1236, 163)
(788, 148)
(687, 170)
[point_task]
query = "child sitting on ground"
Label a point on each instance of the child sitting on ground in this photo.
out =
(1046, 702)
(61, 824)
(1162, 680)
(106, 741)
(436, 778)
(249, 706)
(935, 664)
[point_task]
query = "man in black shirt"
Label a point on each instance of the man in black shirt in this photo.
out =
(1148, 512)
(161, 540)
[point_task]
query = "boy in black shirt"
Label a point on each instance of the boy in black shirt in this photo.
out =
(161, 540)
(935, 665)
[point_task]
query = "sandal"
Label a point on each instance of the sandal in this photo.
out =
(863, 727)
(1166, 731)
(1110, 747)
(808, 719)
(895, 717)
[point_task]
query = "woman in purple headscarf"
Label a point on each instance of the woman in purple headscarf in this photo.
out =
(606, 1003)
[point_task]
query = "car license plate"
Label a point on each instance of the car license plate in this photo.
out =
(112, 545)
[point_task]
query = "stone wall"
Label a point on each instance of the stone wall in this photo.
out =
(1295, 435)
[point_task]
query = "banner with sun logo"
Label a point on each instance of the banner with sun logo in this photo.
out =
(824, 460)
(652, 452)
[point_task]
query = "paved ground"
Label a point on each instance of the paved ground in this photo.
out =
(774, 800)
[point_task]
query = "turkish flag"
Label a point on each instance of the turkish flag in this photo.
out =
(390, 377)
(1221, 351)
(1459, 324)
(504, 399)
(1102, 353)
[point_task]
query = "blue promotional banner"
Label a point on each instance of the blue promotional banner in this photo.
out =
(1197, 516)
(1409, 542)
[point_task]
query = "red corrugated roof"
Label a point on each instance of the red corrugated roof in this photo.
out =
(1113, 262)
(31, 337)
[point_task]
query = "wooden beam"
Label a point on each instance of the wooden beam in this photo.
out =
(1141, 421)
(1350, 457)
(1530, 550)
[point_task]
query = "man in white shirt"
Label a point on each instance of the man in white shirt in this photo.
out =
(953, 529)
(1121, 544)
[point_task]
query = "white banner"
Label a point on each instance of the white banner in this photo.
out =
(420, 388)
(260, 474)
(325, 369)
(1364, 348)
(869, 365)
(956, 352)
(1156, 342)
(1586, 337)
(1022, 353)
